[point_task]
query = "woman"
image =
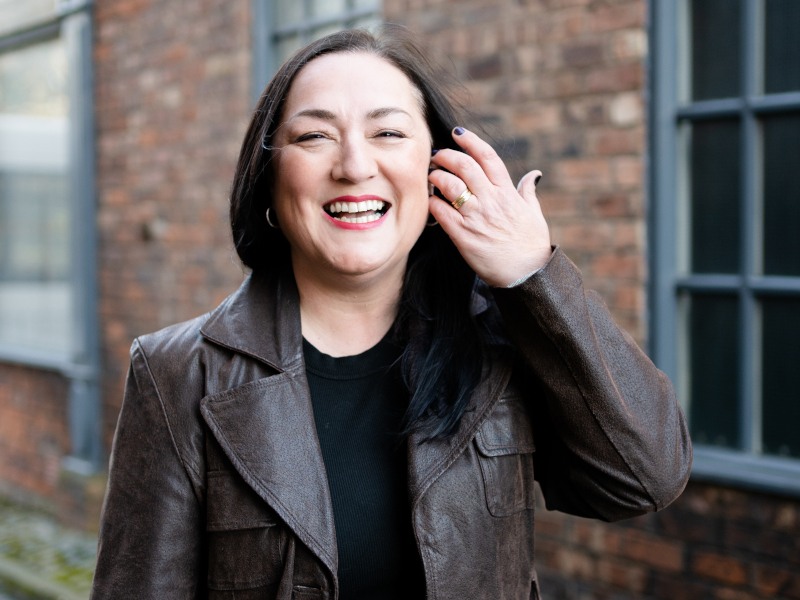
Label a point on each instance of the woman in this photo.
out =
(365, 418)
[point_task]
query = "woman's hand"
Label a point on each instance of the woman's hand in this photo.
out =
(500, 229)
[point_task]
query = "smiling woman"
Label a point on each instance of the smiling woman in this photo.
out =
(352, 138)
(366, 416)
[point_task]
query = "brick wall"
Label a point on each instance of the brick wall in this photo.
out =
(173, 101)
(713, 542)
(559, 86)
(33, 430)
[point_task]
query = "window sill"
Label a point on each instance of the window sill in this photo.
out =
(50, 361)
(773, 475)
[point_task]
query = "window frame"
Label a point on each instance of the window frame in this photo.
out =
(667, 177)
(265, 31)
(72, 20)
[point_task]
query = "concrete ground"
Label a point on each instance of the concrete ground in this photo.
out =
(41, 560)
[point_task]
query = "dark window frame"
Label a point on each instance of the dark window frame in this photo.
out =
(266, 34)
(669, 283)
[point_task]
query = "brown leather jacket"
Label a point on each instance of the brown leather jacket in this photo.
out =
(217, 487)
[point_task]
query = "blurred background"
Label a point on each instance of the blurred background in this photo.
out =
(668, 132)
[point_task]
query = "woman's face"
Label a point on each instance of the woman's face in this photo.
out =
(353, 150)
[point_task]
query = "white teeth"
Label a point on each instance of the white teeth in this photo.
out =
(365, 219)
(356, 207)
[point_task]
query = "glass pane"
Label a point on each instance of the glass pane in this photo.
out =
(716, 48)
(781, 376)
(325, 30)
(288, 45)
(18, 14)
(367, 4)
(288, 12)
(713, 363)
(781, 46)
(35, 236)
(372, 23)
(781, 143)
(715, 197)
(327, 8)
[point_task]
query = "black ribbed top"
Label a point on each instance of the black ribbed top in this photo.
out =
(359, 403)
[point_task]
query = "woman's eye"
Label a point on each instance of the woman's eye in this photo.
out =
(389, 133)
(310, 136)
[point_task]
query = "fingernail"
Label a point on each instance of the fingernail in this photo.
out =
(459, 130)
(536, 181)
(434, 151)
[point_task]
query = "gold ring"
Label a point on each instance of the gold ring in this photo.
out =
(459, 202)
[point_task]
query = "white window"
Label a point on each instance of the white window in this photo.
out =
(47, 215)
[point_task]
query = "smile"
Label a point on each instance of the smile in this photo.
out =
(363, 211)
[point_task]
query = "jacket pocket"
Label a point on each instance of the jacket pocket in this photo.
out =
(505, 447)
(245, 537)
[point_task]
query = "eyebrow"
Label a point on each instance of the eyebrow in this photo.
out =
(326, 115)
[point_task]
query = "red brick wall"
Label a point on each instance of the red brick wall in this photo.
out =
(173, 101)
(559, 85)
(33, 430)
(712, 543)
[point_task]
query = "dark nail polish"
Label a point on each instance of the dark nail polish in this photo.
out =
(536, 181)
(434, 151)
(459, 130)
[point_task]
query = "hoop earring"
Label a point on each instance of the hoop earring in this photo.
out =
(431, 222)
(269, 220)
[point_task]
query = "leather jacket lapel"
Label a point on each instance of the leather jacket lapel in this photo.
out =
(266, 429)
(266, 426)
(262, 320)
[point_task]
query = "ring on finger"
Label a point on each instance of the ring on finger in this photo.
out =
(459, 202)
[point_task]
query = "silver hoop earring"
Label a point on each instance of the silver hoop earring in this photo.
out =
(431, 222)
(269, 220)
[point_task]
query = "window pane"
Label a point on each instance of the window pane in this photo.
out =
(372, 23)
(781, 135)
(714, 350)
(715, 197)
(367, 4)
(781, 46)
(35, 239)
(326, 30)
(288, 45)
(17, 14)
(716, 48)
(327, 8)
(288, 13)
(781, 376)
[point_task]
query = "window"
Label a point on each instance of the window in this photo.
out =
(284, 26)
(47, 298)
(36, 298)
(725, 229)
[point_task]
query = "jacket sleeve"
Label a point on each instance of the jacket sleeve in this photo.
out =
(151, 531)
(611, 439)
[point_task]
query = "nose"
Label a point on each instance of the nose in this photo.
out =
(355, 161)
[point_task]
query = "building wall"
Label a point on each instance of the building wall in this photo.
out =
(558, 85)
(172, 100)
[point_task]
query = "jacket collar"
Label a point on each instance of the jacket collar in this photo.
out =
(266, 426)
(262, 320)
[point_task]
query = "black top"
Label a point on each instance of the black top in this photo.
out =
(359, 402)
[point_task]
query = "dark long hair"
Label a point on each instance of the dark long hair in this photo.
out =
(443, 356)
